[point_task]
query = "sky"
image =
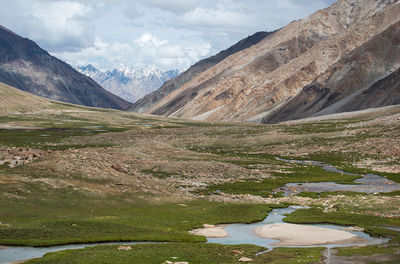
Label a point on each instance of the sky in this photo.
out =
(167, 34)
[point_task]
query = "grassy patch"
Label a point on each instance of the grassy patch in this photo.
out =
(46, 138)
(60, 216)
(395, 193)
(317, 216)
(292, 255)
(365, 251)
(316, 127)
(192, 253)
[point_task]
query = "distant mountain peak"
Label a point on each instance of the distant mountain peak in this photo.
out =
(87, 68)
(129, 82)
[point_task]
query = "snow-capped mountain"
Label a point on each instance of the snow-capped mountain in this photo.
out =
(127, 82)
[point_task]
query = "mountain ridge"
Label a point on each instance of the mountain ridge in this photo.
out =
(347, 87)
(26, 66)
(144, 105)
(252, 83)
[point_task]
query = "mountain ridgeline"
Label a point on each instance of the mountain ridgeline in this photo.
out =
(342, 58)
(24, 65)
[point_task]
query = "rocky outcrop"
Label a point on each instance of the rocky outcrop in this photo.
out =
(24, 65)
(145, 104)
(13, 156)
(254, 83)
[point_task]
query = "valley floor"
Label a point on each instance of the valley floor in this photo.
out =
(72, 174)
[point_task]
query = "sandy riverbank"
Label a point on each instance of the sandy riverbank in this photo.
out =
(211, 231)
(302, 235)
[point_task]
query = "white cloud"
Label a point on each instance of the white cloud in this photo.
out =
(174, 6)
(62, 25)
(173, 55)
(149, 40)
(147, 50)
(102, 53)
(166, 33)
(54, 25)
(221, 17)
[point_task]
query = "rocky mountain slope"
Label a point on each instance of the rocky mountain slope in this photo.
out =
(24, 65)
(129, 83)
(252, 84)
(367, 77)
(145, 104)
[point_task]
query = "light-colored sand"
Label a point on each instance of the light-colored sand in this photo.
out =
(211, 231)
(302, 235)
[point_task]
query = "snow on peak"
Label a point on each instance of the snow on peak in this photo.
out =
(130, 83)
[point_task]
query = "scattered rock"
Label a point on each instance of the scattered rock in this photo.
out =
(244, 259)
(236, 252)
(124, 248)
(14, 157)
(118, 168)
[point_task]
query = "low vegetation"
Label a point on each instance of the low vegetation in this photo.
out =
(93, 175)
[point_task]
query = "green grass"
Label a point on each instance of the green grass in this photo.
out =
(317, 127)
(365, 251)
(49, 216)
(317, 216)
(192, 253)
(49, 138)
(292, 255)
(395, 193)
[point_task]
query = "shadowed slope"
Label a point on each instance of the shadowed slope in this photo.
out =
(24, 65)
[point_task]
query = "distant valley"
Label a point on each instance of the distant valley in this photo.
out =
(283, 148)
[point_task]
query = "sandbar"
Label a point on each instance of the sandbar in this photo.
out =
(303, 235)
(211, 231)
